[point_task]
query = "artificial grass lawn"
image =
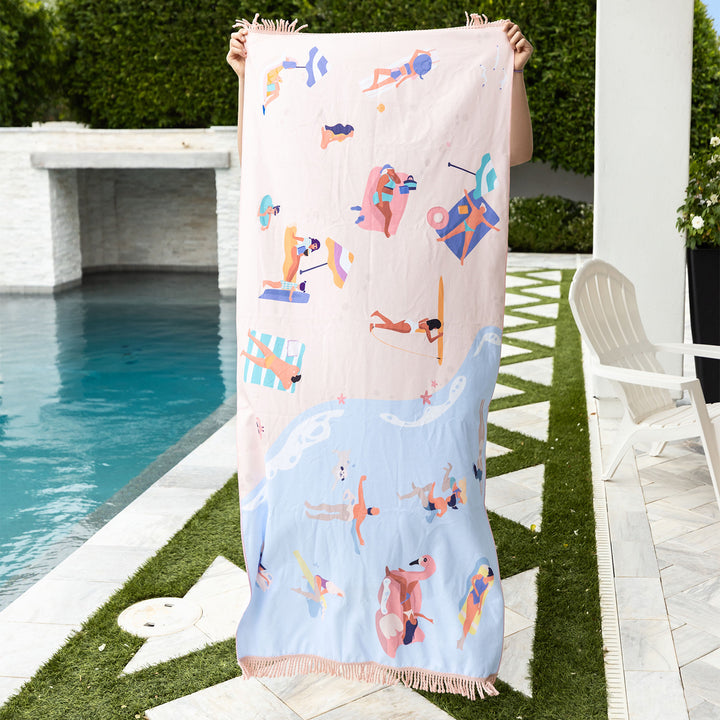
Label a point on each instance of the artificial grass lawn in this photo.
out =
(568, 678)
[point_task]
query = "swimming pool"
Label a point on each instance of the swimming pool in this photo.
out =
(95, 383)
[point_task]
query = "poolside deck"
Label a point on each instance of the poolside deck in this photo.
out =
(658, 554)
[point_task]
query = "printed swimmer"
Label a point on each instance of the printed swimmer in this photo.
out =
(471, 607)
(438, 506)
(418, 66)
(426, 325)
(335, 133)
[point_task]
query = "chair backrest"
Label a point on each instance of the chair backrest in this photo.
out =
(605, 309)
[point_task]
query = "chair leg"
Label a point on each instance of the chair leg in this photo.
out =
(708, 435)
(619, 453)
(657, 448)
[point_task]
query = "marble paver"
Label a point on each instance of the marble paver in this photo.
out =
(512, 299)
(539, 370)
(514, 321)
(549, 310)
(552, 291)
(502, 391)
(554, 275)
(517, 496)
(541, 336)
(511, 350)
(527, 419)
(512, 281)
(223, 593)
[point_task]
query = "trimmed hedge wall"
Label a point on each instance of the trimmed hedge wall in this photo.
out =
(706, 80)
(28, 62)
(550, 224)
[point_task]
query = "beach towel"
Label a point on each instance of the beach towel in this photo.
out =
(371, 279)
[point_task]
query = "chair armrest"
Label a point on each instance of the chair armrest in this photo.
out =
(708, 351)
(642, 377)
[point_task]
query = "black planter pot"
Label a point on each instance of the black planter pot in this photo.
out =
(704, 291)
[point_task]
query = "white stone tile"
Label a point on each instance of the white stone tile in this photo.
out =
(195, 476)
(392, 703)
(541, 336)
(691, 643)
(703, 679)
(222, 613)
(513, 299)
(654, 695)
(311, 695)
(219, 450)
(647, 645)
(527, 419)
(692, 499)
(713, 658)
(532, 477)
(140, 529)
(708, 591)
(675, 552)
(494, 450)
(705, 711)
(554, 275)
(515, 281)
(677, 579)
(500, 491)
(514, 622)
(552, 291)
(695, 613)
(183, 500)
(539, 370)
(58, 601)
(10, 686)
(704, 539)
(520, 593)
(640, 599)
(512, 321)
(511, 350)
(26, 646)
(101, 563)
(710, 510)
(167, 647)
(236, 699)
(515, 665)
(548, 310)
(526, 512)
(502, 391)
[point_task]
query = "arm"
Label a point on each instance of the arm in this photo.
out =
(236, 59)
(521, 140)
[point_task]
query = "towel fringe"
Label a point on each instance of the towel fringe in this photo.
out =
(271, 26)
(475, 20)
(416, 678)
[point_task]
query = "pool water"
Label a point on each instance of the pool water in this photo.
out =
(95, 383)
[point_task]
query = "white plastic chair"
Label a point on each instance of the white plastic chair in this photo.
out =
(605, 308)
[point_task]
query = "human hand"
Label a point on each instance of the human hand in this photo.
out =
(522, 49)
(238, 51)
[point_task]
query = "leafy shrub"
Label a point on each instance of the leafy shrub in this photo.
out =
(705, 79)
(28, 61)
(550, 224)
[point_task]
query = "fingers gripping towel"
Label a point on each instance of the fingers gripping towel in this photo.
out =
(373, 242)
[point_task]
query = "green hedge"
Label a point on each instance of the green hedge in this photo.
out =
(706, 80)
(550, 224)
(28, 62)
(153, 63)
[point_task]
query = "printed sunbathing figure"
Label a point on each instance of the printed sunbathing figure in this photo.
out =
(286, 373)
(349, 511)
(475, 218)
(284, 285)
(404, 326)
(338, 132)
(472, 606)
(419, 64)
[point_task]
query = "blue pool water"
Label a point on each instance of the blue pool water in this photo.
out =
(95, 383)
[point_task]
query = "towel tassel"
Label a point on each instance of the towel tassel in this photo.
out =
(270, 26)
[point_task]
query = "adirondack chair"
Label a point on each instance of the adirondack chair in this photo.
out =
(605, 309)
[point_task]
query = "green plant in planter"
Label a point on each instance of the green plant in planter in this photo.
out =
(699, 215)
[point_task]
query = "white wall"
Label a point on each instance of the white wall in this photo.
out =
(642, 121)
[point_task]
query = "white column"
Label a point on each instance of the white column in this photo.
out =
(642, 121)
(65, 224)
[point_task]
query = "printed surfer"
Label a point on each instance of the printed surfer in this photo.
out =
(286, 373)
